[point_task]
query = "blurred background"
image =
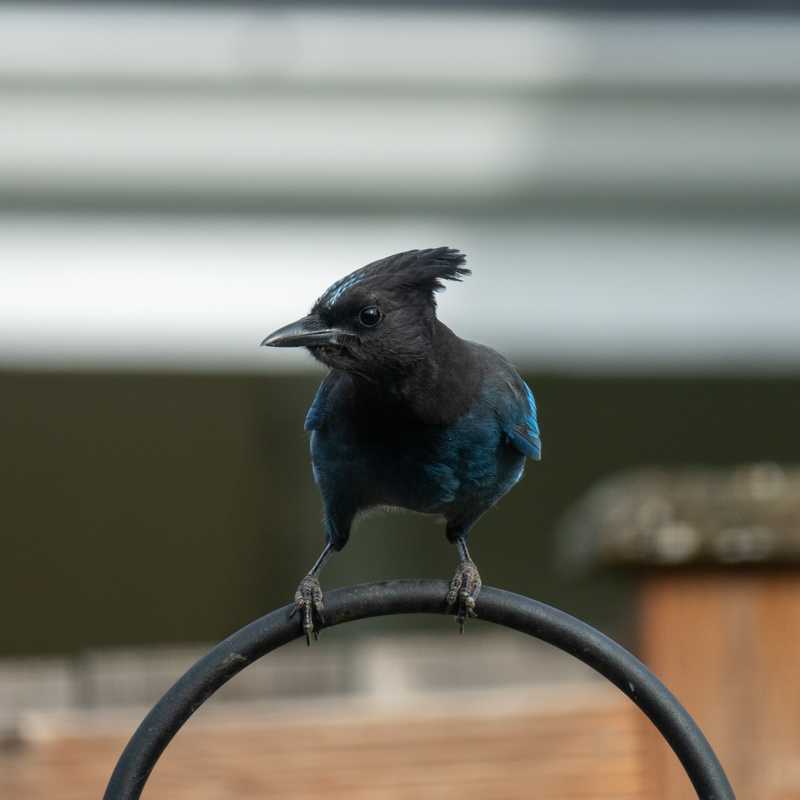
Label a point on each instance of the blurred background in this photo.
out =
(177, 180)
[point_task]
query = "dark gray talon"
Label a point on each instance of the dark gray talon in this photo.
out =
(308, 600)
(464, 590)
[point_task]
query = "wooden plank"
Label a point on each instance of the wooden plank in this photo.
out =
(727, 644)
(583, 753)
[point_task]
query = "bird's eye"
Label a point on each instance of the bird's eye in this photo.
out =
(370, 316)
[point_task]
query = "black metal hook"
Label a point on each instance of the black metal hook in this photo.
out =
(523, 614)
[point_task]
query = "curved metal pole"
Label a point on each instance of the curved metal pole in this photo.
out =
(421, 597)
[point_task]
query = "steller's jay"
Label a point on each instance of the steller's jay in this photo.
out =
(410, 415)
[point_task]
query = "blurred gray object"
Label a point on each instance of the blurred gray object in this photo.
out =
(683, 516)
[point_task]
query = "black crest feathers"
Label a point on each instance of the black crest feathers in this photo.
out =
(423, 269)
(413, 270)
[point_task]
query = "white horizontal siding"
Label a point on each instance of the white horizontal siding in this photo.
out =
(393, 148)
(421, 115)
(89, 42)
(197, 293)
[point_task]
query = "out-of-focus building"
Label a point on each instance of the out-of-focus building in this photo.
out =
(176, 181)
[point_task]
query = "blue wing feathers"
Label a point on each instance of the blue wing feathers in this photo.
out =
(522, 426)
(315, 414)
(315, 418)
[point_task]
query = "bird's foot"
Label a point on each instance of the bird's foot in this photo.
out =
(307, 601)
(464, 590)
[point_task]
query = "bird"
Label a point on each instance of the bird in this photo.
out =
(409, 415)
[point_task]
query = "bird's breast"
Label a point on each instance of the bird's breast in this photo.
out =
(420, 467)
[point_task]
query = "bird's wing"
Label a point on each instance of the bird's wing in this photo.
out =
(518, 418)
(315, 418)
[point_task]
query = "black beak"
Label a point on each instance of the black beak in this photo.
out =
(307, 331)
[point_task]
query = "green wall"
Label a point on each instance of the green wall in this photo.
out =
(145, 508)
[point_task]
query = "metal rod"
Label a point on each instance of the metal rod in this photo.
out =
(549, 624)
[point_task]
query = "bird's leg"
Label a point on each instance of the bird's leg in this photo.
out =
(308, 597)
(465, 586)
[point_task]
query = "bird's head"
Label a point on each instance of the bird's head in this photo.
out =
(379, 319)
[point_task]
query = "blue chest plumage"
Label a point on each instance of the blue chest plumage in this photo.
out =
(381, 457)
(421, 467)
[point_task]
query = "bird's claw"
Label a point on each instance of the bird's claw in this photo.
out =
(307, 601)
(464, 590)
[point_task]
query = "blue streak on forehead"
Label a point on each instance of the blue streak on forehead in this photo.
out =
(340, 287)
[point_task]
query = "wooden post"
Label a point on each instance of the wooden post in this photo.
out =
(717, 554)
